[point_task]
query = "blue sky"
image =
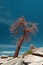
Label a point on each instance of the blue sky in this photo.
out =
(10, 10)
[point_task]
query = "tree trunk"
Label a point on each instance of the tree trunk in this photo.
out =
(19, 45)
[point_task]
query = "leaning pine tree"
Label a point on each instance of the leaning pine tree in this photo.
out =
(25, 29)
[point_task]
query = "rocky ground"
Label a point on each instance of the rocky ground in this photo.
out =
(31, 59)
